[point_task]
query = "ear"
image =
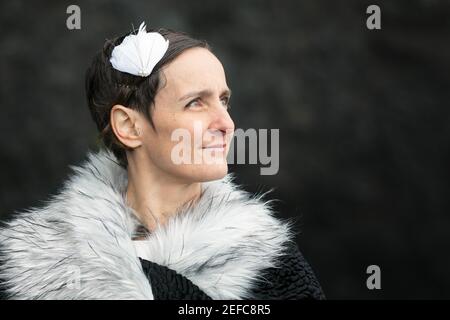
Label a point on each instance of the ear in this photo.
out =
(125, 125)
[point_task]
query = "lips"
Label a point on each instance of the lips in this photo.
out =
(216, 146)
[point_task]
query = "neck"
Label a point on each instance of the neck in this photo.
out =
(155, 195)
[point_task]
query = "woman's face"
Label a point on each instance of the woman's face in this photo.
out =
(190, 116)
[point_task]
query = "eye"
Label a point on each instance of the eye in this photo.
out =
(226, 102)
(194, 103)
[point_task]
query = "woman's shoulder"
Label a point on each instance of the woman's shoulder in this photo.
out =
(291, 278)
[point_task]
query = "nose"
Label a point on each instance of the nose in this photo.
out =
(221, 120)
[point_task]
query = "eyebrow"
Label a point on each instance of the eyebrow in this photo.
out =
(203, 93)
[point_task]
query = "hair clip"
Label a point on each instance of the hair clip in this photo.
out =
(139, 53)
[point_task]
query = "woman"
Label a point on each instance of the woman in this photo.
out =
(150, 216)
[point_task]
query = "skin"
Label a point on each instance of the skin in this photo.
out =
(157, 185)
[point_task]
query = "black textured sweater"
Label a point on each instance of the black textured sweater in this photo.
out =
(294, 279)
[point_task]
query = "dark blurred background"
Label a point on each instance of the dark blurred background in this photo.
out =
(363, 118)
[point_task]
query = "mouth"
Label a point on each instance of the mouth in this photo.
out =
(218, 147)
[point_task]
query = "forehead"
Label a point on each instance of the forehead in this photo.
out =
(194, 69)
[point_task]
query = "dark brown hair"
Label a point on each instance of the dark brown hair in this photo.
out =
(106, 87)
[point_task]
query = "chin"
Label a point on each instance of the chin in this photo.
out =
(206, 173)
(216, 173)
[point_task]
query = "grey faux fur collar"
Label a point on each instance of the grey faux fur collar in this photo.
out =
(79, 245)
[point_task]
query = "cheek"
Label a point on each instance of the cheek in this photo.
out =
(194, 124)
(191, 127)
(158, 140)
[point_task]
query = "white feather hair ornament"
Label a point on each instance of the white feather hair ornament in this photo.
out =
(139, 53)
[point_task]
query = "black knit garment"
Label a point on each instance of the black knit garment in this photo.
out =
(292, 279)
(167, 284)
